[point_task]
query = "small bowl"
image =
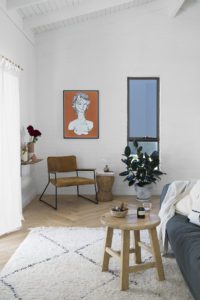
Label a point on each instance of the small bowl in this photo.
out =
(118, 214)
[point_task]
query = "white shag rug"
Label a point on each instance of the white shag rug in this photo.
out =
(58, 263)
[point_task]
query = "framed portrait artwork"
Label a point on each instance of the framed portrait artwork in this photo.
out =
(81, 114)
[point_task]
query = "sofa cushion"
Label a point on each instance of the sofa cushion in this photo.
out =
(184, 238)
(184, 205)
(194, 217)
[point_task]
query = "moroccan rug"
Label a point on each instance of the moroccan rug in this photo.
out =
(65, 263)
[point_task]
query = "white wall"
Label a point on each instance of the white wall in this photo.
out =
(14, 45)
(100, 54)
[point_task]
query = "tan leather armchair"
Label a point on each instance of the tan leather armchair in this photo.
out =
(65, 164)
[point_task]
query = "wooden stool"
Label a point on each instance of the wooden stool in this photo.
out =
(127, 224)
(105, 182)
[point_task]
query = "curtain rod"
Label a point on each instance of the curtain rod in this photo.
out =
(12, 62)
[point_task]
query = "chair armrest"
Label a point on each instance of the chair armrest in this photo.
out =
(85, 170)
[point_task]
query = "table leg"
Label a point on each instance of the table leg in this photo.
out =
(108, 243)
(137, 247)
(156, 253)
(124, 269)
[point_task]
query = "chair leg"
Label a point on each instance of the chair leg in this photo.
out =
(56, 197)
(96, 197)
(77, 190)
(86, 198)
(44, 191)
(40, 199)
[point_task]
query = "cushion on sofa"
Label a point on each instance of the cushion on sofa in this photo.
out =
(184, 205)
(194, 217)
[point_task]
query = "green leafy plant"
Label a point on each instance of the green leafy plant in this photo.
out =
(141, 169)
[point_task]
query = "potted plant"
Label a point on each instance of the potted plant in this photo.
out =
(141, 170)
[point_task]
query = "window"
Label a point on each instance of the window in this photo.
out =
(143, 113)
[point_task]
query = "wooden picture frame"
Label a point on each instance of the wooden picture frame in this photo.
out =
(81, 114)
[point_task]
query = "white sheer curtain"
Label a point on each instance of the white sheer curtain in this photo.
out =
(10, 181)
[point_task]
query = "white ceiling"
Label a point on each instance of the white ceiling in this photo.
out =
(36, 16)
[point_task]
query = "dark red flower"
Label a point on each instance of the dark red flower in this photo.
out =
(33, 133)
(36, 133)
(30, 130)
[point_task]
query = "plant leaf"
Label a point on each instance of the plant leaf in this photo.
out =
(154, 155)
(157, 172)
(125, 173)
(131, 182)
(124, 160)
(146, 156)
(135, 143)
(129, 177)
(139, 149)
(134, 165)
(127, 151)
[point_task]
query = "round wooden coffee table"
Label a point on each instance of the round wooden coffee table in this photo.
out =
(127, 224)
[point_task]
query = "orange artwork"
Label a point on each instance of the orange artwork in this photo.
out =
(81, 114)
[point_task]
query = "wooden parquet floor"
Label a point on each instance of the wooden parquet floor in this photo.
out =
(72, 211)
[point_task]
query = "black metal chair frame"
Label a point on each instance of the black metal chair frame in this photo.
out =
(78, 194)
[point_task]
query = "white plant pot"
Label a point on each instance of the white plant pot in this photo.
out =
(143, 192)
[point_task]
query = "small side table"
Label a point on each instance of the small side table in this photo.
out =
(127, 224)
(105, 182)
